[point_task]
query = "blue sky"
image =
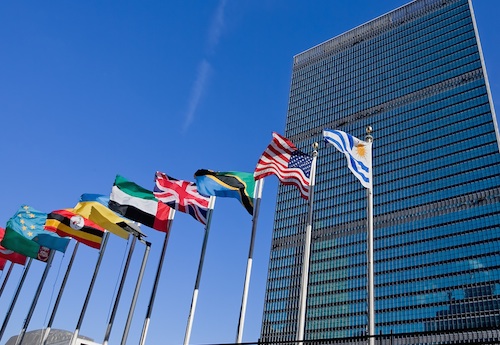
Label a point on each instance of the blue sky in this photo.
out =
(91, 89)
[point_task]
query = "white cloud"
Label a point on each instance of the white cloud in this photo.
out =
(196, 92)
(204, 67)
(216, 26)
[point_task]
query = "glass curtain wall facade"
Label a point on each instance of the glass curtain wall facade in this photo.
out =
(416, 75)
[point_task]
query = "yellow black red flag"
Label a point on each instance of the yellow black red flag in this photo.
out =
(67, 223)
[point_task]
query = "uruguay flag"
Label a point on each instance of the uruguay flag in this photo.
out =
(357, 152)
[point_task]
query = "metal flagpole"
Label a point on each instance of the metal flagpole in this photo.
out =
(241, 322)
(371, 286)
(6, 278)
(91, 287)
(307, 253)
(20, 337)
(136, 292)
(200, 268)
(16, 295)
(118, 294)
(59, 295)
(157, 279)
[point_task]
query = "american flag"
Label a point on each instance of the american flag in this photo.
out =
(181, 195)
(289, 164)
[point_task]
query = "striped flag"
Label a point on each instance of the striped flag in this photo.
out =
(289, 164)
(227, 184)
(2, 263)
(67, 223)
(357, 152)
(10, 254)
(95, 207)
(25, 234)
(182, 196)
(139, 204)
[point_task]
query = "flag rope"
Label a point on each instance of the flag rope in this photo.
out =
(125, 252)
(54, 286)
(42, 333)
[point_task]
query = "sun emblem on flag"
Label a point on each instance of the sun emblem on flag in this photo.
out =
(76, 222)
(361, 150)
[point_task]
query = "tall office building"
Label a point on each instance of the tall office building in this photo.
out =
(417, 76)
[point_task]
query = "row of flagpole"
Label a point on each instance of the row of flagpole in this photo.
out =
(82, 314)
(282, 159)
(75, 335)
(117, 299)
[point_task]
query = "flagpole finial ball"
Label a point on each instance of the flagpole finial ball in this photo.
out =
(315, 146)
(369, 129)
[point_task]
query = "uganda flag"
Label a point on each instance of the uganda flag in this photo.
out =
(67, 223)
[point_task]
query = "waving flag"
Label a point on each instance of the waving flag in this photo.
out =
(67, 223)
(25, 234)
(95, 208)
(2, 263)
(229, 184)
(138, 204)
(289, 164)
(9, 254)
(182, 196)
(357, 152)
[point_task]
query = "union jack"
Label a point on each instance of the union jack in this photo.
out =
(181, 195)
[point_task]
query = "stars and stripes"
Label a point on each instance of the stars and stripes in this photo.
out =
(289, 164)
(181, 195)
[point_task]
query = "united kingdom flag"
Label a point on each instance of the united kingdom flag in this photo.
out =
(181, 195)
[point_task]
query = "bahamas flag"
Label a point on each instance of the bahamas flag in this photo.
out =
(25, 234)
(95, 207)
(227, 184)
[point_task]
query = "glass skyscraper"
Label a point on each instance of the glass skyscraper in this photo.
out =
(417, 76)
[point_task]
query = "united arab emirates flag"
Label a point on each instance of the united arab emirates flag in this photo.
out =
(138, 204)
